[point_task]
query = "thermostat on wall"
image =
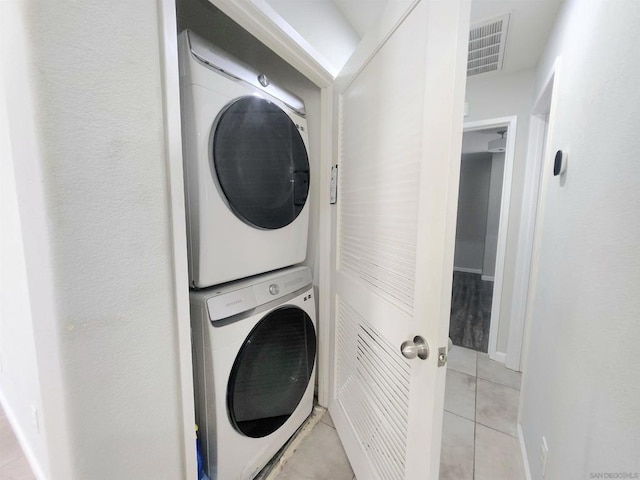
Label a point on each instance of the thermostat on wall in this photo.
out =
(560, 164)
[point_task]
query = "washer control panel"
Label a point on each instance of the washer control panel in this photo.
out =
(231, 299)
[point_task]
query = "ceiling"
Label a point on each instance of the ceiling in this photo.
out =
(478, 141)
(361, 13)
(529, 26)
(530, 23)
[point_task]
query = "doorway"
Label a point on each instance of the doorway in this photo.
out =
(481, 394)
(483, 210)
(482, 437)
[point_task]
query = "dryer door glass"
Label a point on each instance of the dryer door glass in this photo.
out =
(271, 372)
(260, 163)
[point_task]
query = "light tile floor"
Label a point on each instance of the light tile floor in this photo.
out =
(478, 442)
(479, 438)
(13, 464)
(319, 457)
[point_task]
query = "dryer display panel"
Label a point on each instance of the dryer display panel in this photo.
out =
(271, 372)
(260, 162)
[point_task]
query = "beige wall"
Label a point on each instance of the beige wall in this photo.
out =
(580, 387)
(86, 121)
(473, 199)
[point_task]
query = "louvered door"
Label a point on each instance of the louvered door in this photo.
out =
(399, 126)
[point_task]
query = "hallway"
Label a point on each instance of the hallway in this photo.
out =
(479, 441)
(470, 311)
(480, 438)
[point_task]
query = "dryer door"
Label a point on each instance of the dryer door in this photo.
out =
(271, 372)
(260, 163)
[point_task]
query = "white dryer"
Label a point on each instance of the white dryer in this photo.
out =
(254, 346)
(246, 167)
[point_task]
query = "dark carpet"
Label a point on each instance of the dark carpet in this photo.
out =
(470, 311)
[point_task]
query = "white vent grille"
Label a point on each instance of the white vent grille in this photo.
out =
(373, 389)
(486, 45)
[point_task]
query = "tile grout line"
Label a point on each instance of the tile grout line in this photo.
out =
(322, 421)
(463, 373)
(476, 423)
(460, 371)
(496, 430)
(498, 383)
(460, 416)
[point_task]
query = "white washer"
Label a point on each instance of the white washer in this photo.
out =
(254, 346)
(246, 167)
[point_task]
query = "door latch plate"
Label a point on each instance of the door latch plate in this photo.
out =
(442, 356)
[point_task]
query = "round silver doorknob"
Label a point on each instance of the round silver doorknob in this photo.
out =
(416, 348)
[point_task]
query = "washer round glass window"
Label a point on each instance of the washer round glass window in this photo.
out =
(271, 373)
(260, 162)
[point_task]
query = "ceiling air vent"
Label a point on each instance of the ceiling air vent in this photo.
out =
(486, 45)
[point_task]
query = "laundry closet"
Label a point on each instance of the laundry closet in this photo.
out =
(379, 239)
(250, 134)
(95, 116)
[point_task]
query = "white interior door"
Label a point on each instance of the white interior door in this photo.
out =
(398, 114)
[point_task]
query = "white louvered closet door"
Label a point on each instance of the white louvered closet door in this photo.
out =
(398, 114)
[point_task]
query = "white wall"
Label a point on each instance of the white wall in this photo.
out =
(580, 387)
(499, 95)
(19, 374)
(473, 200)
(323, 25)
(210, 23)
(493, 216)
(86, 119)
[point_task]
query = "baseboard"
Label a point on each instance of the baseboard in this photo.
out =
(28, 452)
(523, 451)
(498, 356)
(468, 270)
(488, 278)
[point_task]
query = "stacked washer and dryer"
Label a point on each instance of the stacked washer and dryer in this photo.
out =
(253, 320)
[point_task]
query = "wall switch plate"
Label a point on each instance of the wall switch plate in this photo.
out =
(34, 419)
(544, 453)
(333, 187)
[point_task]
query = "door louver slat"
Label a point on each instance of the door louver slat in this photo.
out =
(378, 206)
(373, 389)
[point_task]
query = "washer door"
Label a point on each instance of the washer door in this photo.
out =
(260, 162)
(271, 372)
